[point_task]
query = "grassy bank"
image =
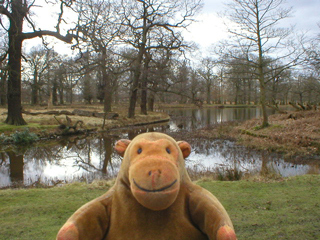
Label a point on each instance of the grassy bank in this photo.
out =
(292, 133)
(287, 209)
(47, 124)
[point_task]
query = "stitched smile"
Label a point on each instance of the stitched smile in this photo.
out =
(155, 190)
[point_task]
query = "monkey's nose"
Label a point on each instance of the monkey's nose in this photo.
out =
(156, 172)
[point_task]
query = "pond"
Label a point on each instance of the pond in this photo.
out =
(85, 159)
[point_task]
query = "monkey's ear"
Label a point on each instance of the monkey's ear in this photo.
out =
(121, 146)
(185, 148)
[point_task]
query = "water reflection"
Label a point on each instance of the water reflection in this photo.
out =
(198, 118)
(209, 157)
(16, 166)
(86, 159)
(64, 161)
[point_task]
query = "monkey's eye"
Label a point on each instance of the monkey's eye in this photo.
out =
(168, 150)
(139, 150)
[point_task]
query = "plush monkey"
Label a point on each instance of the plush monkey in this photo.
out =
(152, 198)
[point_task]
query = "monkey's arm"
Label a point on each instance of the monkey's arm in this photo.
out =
(89, 222)
(211, 217)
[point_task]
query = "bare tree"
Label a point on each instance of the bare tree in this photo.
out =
(158, 74)
(278, 87)
(54, 61)
(98, 28)
(221, 77)
(87, 85)
(206, 72)
(257, 35)
(150, 24)
(195, 88)
(17, 12)
(180, 78)
(313, 55)
(71, 77)
(37, 62)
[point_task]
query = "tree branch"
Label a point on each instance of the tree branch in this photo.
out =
(5, 11)
(67, 38)
(3, 57)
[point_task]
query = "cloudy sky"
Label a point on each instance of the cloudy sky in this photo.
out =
(210, 28)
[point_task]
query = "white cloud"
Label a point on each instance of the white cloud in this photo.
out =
(208, 30)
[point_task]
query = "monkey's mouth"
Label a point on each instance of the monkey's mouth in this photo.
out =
(154, 190)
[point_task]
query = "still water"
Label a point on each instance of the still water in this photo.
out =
(86, 159)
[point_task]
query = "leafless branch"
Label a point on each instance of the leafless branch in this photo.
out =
(67, 38)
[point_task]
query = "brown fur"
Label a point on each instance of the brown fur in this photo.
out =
(153, 198)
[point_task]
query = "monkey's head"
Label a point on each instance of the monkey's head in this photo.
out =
(153, 166)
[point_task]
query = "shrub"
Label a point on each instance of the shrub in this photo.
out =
(4, 139)
(229, 174)
(24, 137)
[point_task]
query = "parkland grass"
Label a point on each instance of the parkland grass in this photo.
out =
(285, 209)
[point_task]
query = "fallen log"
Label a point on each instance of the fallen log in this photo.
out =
(78, 112)
(82, 113)
(52, 112)
(108, 115)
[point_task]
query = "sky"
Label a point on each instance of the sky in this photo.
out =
(210, 29)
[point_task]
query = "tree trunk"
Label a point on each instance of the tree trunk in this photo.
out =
(116, 92)
(71, 96)
(151, 102)
(249, 91)
(107, 83)
(208, 92)
(50, 100)
(34, 89)
(15, 53)
(236, 97)
(3, 88)
(34, 98)
(61, 99)
(135, 82)
(265, 122)
(54, 94)
(134, 92)
(107, 95)
(301, 97)
(137, 69)
(144, 85)
(143, 104)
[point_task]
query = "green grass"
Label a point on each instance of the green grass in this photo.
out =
(11, 128)
(39, 213)
(288, 209)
